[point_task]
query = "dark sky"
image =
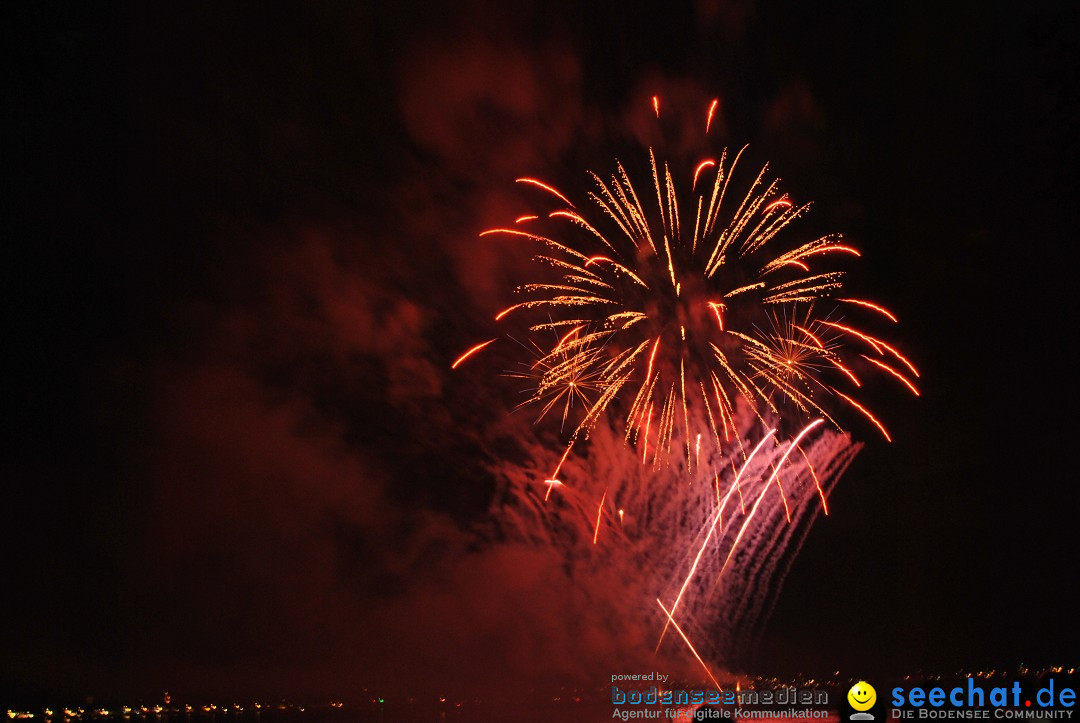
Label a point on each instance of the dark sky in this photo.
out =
(242, 252)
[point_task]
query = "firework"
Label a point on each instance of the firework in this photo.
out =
(666, 299)
(682, 317)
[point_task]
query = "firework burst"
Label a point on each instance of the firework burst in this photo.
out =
(561, 378)
(672, 302)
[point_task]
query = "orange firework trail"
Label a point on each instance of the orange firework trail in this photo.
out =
(707, 163)
(546, 187)
(470, 352)
(709, 115)
(688, 643)
(599, 515)
(554, 479)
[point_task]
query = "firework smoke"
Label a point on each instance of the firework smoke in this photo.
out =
(714, 547)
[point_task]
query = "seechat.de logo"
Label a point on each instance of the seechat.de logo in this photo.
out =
(861, 697)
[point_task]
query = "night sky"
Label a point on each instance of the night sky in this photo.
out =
(242, 252)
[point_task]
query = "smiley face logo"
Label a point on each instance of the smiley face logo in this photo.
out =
(862, 696)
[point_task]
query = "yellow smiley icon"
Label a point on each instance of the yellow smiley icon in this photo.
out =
(862, 696)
